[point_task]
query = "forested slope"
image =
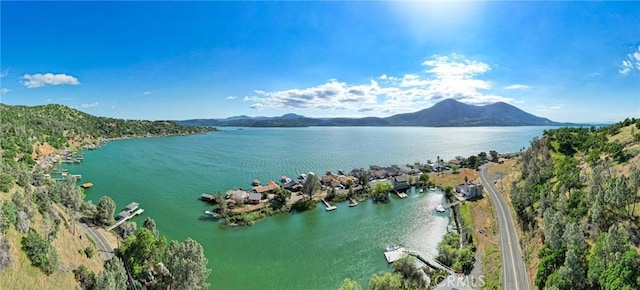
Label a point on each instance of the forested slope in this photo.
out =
(58, 125)
(576, 200)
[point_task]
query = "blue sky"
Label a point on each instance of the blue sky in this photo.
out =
(568, 61)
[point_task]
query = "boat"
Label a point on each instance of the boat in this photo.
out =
(432, 188)
(439, 208)
(390, 248)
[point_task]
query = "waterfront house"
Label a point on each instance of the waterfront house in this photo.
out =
(469, 190)
(328, 180)
(401, 182)
(239, 196)
(380, 174)
(266, 189)
(254, 198)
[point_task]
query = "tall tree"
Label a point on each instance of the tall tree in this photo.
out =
(311, 185)
(106, 209)
(113, 277)
(187, 264)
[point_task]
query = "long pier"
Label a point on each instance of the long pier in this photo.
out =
(433, 263)
(122, 220)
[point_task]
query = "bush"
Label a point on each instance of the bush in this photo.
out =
(5, 255)
(304, 205)
(86, 278)
(10, 212)
(89, 251)
(39, 252)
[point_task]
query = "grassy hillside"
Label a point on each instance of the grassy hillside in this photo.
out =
(41, 245)
(576, 193)
(61, 126)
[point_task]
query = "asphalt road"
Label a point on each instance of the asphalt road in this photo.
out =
(514, 274)
(101, 242)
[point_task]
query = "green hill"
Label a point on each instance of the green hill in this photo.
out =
(61, 126)
(576, 198)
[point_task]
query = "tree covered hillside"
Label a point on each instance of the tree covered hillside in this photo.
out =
(22, 127)
(576, 200)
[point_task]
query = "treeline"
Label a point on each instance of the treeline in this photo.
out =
(57, 125)
(574, 197)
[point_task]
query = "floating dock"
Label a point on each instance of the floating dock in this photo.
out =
(395, 254)
(400, 194)
(127, 215)
(328, 205)
(352, 202)
(86, 185)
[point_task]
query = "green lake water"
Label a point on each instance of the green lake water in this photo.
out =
(311, 250)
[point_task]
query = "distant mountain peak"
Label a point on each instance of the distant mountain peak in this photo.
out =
(446, 113)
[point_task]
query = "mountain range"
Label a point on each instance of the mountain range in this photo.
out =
(447, 113)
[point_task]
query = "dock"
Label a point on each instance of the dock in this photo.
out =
(76, 176)
(431, 262)
(86, 185)
(400, 194)
(395, 254)
(126, 217)
(352, 202)
(328, 205)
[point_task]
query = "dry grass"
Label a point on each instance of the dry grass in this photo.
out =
(453, 179)
(485, 228)
(22, 275)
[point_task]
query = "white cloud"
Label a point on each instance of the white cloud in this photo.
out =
(631, 63)
(4, 91)
(147, 93)
(452, 76)
(231, 97)
(90, 105)
(40, 80)
(517, 87)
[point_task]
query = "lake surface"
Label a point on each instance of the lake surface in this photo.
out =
(311, 250)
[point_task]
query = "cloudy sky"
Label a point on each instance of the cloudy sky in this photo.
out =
(574, 61)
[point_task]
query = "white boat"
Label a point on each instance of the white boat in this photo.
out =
(390, 248)
(439, 208)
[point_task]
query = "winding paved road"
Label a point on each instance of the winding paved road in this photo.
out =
(514, 274)
(101, 242)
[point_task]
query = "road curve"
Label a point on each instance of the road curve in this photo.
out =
(101, 242)
(514, 274)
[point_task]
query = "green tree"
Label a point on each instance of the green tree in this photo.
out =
(105, 210)
(311, 185)
(349, 284)
(623, 274)
(464, 260)
(113, 277)
(150, 225)
(385, 281)
(281, 195)
(187, 264)
(381, 191)
(448, 193)
(40, 253)
(141, 251)
(412, 277)
(6, 181)
(494, 155)
(423, 179)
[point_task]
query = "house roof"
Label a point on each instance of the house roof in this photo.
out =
(237, 194)
(272, 185)
(255, 196)
(401, 178)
